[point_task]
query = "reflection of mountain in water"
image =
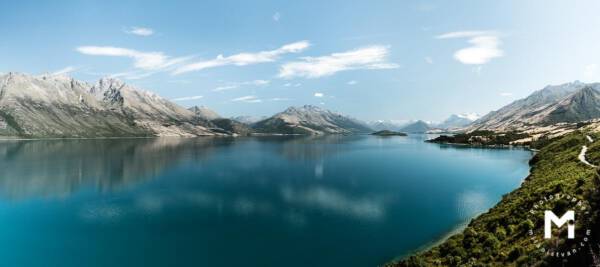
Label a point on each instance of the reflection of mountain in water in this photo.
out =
(60, 167)
(315, 147)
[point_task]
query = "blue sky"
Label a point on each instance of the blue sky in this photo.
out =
(371, 59)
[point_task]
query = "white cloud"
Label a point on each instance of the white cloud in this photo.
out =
(186, 98)
(292, 84)
(64, 71)
(319, 94)
(225, 88)
(247, 99)
(279, 99)
(484, 46)
(239, 84)
(142, 60)
(140, 31)
(372, 57)
(591, 72)
(353, 82)
(506, 94)
(429, 60)
(243, 59)
(276, 16)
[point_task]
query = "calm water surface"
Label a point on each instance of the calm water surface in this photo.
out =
(293, 201)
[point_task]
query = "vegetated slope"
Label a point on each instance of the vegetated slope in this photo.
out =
(500, 236)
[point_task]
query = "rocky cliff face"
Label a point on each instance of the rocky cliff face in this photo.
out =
(570, 102)
(59, 106)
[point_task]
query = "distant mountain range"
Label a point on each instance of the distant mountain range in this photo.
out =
(310, 119)
(565, 103)
(59, 106)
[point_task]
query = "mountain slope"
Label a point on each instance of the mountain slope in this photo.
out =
(570, 102)
(416, 127)
(204, 112)
(310, 120)
(59, 106)
(457, 121)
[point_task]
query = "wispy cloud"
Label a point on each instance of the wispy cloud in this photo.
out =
(141, 60)
(65, 70)
(243, 59)
(429, 60)
(292, 84)
(319, 95)
(276, 16)
(187, 98)
(240, 84)
(372, 57)
(279, 99)
(141, 31)
(247, 99)
(353, 82)
(506, 94)
(484, 46)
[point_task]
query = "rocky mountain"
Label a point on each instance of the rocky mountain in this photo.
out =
(59, 106)
(312, 120)
(569, 102)
(393, 125)
(416, 127)
(249, 119)
(457, 121)
(205, 113)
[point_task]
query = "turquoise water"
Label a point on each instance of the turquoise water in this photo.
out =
(277, 201)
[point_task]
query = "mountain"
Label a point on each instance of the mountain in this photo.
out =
(458, 121)
(380, 125)
(312, 120)
(416, 127)
(248, 119)
(59, 106)
(569, 102)
(204, 112)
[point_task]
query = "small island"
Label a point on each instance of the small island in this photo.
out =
(388, 133)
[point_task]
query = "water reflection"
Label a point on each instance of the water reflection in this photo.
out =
(54, 168)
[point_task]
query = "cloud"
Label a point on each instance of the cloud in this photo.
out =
(429, 60)
(372, 57)
(353, 82)
(247, 99)
(142, 60)
(506, 94)
(239, 84)
(64, 71)
(140, 31)
(243, 59)
(187, 98)
(292, 84)
(319, 95)
(484, 46)
(279, 99)
(276, 16)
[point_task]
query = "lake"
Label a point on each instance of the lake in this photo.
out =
(269, 201)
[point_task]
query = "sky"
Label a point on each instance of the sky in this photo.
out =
(373, 60)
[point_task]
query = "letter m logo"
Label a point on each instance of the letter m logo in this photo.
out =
(550, 217)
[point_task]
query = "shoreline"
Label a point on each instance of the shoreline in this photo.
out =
(460, 227)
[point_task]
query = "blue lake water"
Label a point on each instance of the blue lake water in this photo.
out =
(273, 201)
